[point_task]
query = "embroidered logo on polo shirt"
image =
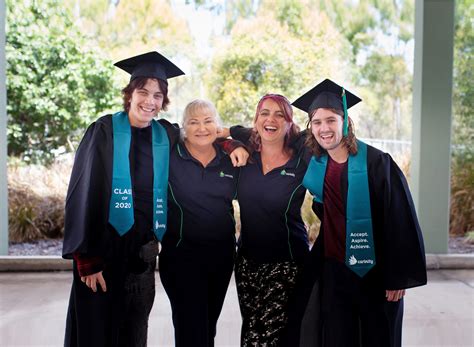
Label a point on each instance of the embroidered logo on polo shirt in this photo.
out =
(222, 174)
(284, 173)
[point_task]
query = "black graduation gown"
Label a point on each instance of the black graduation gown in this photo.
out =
(95, 318)
(399, 249)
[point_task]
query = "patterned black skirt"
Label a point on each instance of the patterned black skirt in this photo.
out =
(263, 291)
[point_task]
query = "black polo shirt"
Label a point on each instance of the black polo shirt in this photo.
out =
(270, 208)
(200, 212)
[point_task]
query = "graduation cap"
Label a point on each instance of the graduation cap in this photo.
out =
(151, 64)
(327, 94)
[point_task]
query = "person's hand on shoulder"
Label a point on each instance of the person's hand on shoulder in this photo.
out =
(239, 157)
(223, 133)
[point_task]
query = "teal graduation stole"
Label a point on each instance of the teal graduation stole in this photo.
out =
(360, 254)
(121, 201)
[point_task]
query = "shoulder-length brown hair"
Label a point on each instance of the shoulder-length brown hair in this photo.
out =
(140, 82)
(349, 141)
(285, 107)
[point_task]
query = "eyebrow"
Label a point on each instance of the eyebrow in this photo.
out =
(143, 88)
(194, 118)
(320, 119)
(266, 109)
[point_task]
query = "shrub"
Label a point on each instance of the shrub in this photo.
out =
(36, 197)
(462, 193)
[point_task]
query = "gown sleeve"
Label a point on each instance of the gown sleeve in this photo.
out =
(173, 131)
(402, 253)
(240, 133)
(88, 196)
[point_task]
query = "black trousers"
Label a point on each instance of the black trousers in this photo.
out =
(118, 317)
(196, 284)
(355, 312)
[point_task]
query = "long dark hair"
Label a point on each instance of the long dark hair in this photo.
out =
(140, 82)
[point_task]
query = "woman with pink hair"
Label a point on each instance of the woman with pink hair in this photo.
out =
(273, 241)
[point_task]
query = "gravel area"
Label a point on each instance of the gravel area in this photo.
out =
(457, 245)
(40, 247)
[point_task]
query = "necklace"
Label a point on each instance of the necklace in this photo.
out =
(270, 163)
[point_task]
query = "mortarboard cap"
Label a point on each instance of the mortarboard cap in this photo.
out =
(327, 94)
(151, 64)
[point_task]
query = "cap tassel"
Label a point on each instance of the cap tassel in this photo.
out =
(344, 103)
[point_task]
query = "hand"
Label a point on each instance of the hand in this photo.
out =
(92, 280)
(223, 133)
(394, 295)
(239, 157)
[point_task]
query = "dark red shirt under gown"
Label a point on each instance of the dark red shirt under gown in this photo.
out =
(334, 220)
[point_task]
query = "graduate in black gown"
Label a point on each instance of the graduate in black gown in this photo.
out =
(116, 211)
(370, 247)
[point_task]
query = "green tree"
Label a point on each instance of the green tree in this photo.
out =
(379, 32)
(274, 53)
(463, 93)
(122, 27)
(462, 164)
(128, 27)
(386, 91)
(56, 84)
(232, 9)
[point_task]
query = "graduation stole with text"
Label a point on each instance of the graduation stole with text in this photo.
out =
(360, 254)
(121, 215)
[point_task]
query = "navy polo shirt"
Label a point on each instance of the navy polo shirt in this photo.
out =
(270, 211)
(200, 212)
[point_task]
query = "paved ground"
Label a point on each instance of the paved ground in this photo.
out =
(33, 308)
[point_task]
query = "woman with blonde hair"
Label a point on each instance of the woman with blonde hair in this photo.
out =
(197, 256)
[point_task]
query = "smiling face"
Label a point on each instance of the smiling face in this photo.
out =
(271, 124)
(200, 125)
(145, 103)
(326, 127)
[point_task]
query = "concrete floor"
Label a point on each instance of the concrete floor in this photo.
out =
(33, 309)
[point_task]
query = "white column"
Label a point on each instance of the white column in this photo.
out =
(432, 112)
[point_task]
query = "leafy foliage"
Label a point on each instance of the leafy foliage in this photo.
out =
(463, 98)
(274, 53)
(56, 84)
(379, 32)
(133, 26)
(462, 175)
(128, 27)
(462, 193)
